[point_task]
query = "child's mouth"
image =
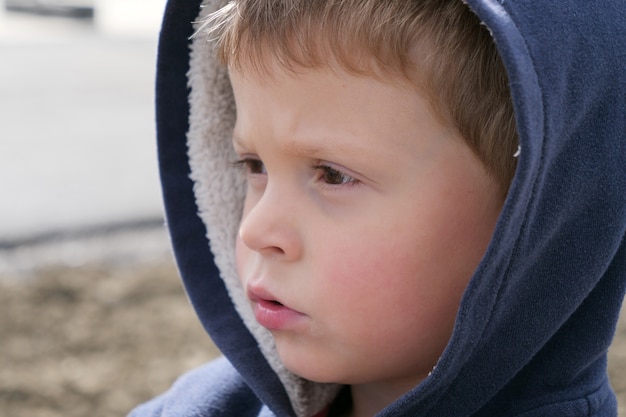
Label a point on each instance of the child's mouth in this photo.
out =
(271, 313)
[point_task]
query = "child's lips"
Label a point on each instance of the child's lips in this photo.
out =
(271, 313)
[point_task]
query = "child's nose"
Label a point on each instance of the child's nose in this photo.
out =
(269, 228)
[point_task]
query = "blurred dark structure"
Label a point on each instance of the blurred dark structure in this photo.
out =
(70, 8)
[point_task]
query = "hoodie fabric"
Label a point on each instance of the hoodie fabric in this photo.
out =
(535, 322)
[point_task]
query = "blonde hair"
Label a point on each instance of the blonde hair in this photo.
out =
(439, 45)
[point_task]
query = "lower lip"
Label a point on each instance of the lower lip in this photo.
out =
(274, 316)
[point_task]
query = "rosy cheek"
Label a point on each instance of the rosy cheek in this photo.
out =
(352, 274)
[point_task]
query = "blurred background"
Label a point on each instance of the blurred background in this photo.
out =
(76, 81)
(93, 319)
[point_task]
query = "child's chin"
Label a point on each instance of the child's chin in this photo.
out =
(313, 361)
(319, 374)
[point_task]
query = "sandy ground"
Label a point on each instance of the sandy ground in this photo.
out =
(97, 338)
(94, 340)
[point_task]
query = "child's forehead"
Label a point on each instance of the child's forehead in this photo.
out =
(323, 112)
(330, 77)
(267, 68)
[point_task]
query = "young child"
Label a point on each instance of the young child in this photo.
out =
(364, 224)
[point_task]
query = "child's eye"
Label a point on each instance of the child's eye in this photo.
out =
(251, 165)
(332, 176)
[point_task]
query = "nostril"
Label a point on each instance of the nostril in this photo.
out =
(269, 235)
(270, 251)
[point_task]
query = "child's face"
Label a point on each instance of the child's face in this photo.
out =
(364, 219)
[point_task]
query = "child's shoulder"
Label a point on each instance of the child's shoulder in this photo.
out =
(216, 386)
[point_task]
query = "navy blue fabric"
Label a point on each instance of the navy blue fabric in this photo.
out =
(224, 395)
(536, 320)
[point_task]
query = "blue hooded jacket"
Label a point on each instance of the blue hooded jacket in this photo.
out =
(535, 322)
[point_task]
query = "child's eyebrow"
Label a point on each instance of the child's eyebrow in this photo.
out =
(294, 147)
(303, 147)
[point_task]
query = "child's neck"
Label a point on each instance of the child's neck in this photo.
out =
(367, 400)
(370, 399)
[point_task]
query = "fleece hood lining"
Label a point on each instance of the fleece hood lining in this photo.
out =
(220, 189)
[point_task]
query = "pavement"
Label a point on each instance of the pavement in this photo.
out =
(77, 136)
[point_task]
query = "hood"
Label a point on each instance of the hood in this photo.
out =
(536, 319)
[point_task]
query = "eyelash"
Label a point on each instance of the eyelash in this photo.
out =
(327, 174)
(250, 165)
